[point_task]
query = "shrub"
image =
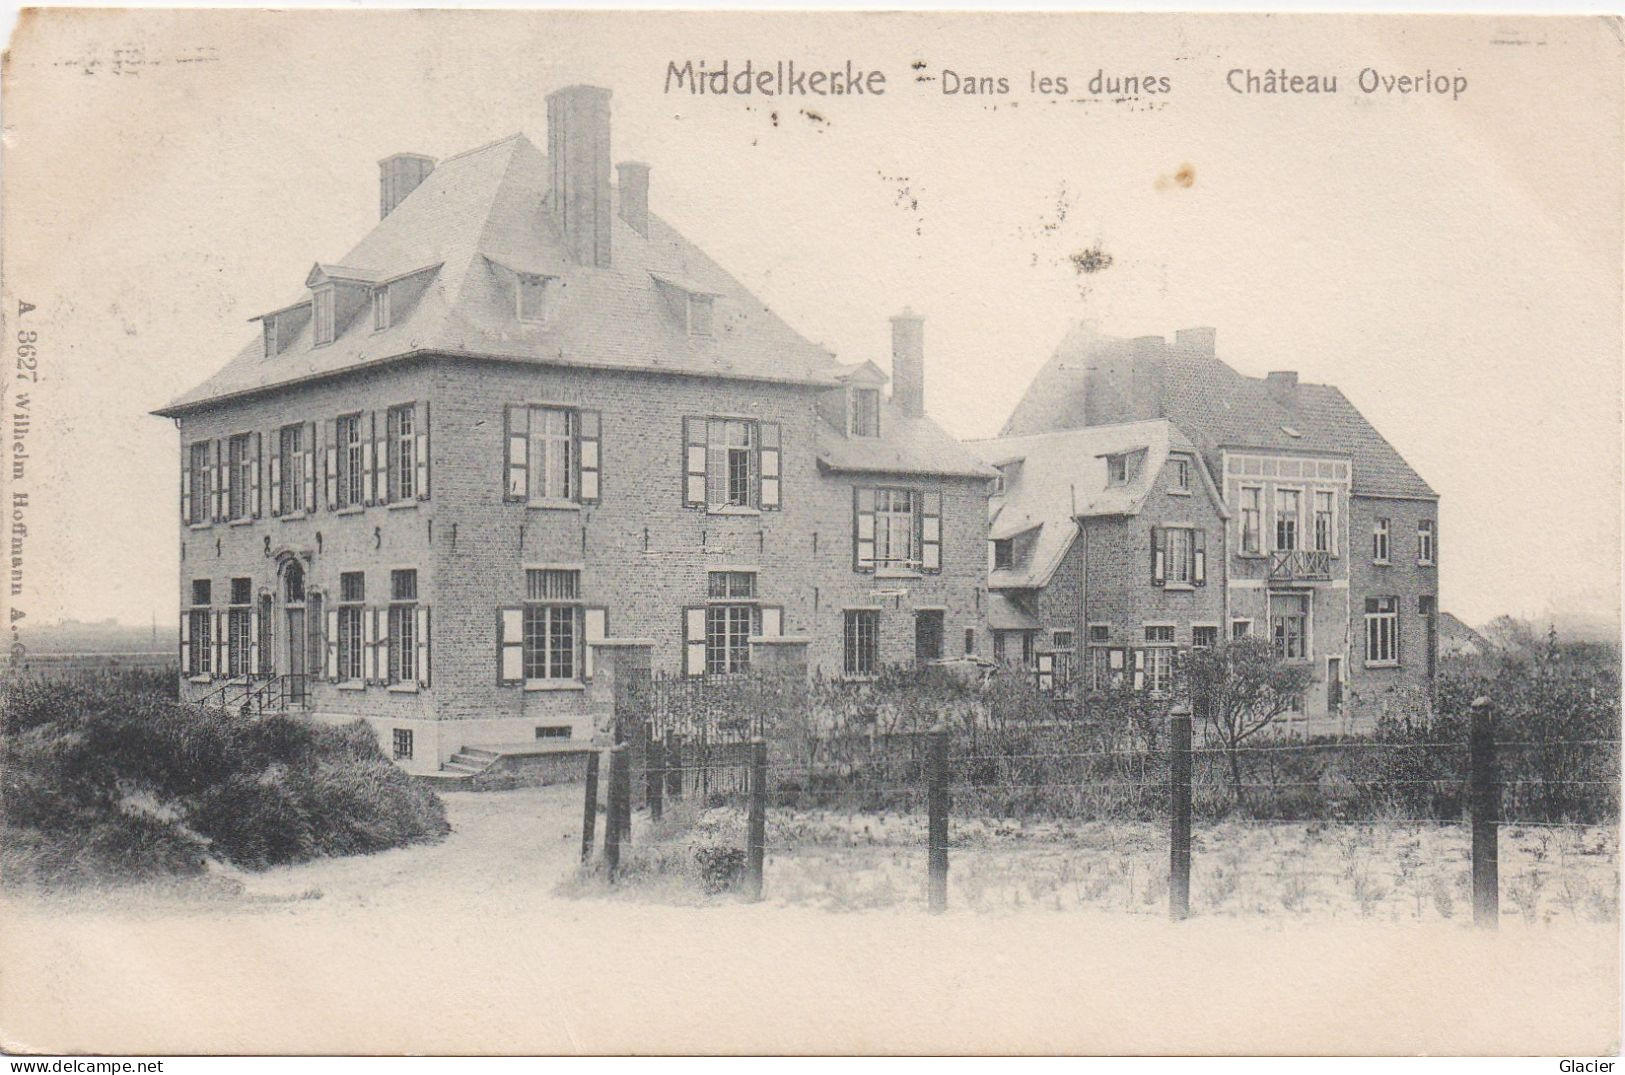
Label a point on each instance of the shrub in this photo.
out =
(721, 868)
(108, 780)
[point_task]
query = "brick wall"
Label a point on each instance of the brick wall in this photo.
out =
(1403, 578)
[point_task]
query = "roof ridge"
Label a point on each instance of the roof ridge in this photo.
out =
(482, 149)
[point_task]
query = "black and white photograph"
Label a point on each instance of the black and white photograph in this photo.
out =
(708, 533)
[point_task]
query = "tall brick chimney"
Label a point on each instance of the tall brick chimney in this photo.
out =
(578, 156)
(399, 176)
(1201, 340)
(632, 185)
(908, 363)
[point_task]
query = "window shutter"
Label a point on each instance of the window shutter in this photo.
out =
(931, 531)
(516, 435)
(219, 643)
(772, 621)
(1159, 549)
(421, 424)
(226, 477)
(863, 529)
(590, 424)
(510, 646)
(369, 645)
(214, 485)
(332, 443)
(594, 629)
(254, 642)
(694, 432)
(1199, 557)
(309, 502)
(369, 460)
(1139, 669)
(768, 465)
(186, 485)
(421, 615)
(1046, 672)
(257, 508)
(694, 640)
(186, 642)
(277, 507)
(332, 645)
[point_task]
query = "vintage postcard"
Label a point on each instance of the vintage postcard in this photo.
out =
(700, 532)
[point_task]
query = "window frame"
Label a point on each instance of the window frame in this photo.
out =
(1280, 632)
(1250, 519)
(1427, 543)
(1330, 517)
(1382, 529)
(1293, 522)
(1382, 632)
(1180, 484)
(924, 530)
(541, 283)
(350, 489)
(862, 412)
(381, 312)
(860, 643)
(401, 661)
(401, 447)
(1006, 547)
(705, 324)
(323, 315)
(543, 615)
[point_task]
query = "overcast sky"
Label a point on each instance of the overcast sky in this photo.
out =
(1452, 264)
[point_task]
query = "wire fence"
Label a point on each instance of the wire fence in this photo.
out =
(1044, 805)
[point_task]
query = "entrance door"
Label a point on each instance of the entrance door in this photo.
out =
(294, 654)
(927, 635)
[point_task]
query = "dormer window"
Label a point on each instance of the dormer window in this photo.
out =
(271, 343)
(380, 308)
(1117, 470)
(323, 315)
(1004, 554)
(700, 311)
(532, 298)
(863, 412)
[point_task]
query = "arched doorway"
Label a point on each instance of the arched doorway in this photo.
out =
(293, 654)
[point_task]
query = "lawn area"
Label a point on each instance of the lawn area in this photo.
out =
(473, 945)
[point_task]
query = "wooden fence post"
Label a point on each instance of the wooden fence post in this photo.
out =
(654, 760)
(589, 812)
(756, 841)
(1485, 797)
(937, 825)
(625, 783)
(1179, 803)
(612, 822)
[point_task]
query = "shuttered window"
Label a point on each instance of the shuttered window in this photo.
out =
(352, 461)
(195, 485)
(552, 454)
(731, 463)
(897, 529)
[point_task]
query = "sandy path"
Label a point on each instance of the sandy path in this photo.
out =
(463, 947)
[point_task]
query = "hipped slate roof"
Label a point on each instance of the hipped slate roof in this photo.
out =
(1062, 478)
(906, 445)
(1220, 407)
(482, 213)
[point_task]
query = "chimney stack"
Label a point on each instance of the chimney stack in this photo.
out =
(633, 187)
(908, 363)
(1283, 387)
(399, 176)
(578, 157)
(1200, 340)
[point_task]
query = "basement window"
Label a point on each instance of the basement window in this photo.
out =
(553, 731)
(403, 744)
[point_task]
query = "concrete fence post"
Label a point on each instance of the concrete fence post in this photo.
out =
(617, 803)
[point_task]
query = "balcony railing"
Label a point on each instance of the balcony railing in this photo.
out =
(1300, 565)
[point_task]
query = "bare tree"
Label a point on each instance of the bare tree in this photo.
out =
(1239, 689)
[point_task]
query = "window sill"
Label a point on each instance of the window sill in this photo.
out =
(857, 677)
(199, 526)
(898, 573)
(351, 509)
(1382, 664)
(294, 517)
(1179, 587)
(1381, 563)
(544, 685)
(1426, 563)
(733, 509)
(403, 688)
(1179, 492)
(241, 522)
(351, 685)
(200, 680)
(403, 505)
(553, 505)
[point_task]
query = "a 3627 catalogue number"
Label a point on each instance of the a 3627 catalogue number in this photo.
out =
(27, 371)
